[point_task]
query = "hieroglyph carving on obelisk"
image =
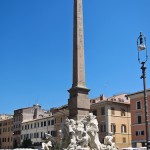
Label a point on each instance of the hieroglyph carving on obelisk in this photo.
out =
(78, 46)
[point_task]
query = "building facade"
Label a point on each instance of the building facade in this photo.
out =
(113, 115)
(22, 115)
(60, 114)
(35, 130)
(138, 118)
(6, 132)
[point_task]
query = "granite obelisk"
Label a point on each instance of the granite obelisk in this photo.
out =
(78, 103)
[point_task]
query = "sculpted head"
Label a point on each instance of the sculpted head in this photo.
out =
(91, 116)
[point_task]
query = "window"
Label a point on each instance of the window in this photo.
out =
(41, 124)
(34, 135)
(95, 112)
(93, 101)
(49, 122)
(139, 119)
(31, 126)
(37, 135)
(123, 113)
(52, 122)
(114, 140)
(138, 133)
(54, 133)
(138, 105)
(41, 134)
(44, 123)
(123, 128)
(103, 111)
(142, 132)
(103, 128)
(112, 111)
(44, 135)
(34, 125)
(113, 128)
(124, 140)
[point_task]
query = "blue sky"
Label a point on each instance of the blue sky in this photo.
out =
(36, 40)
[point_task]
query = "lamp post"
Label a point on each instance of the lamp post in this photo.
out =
(142, 58)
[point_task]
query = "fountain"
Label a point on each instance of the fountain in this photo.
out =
(80, 135)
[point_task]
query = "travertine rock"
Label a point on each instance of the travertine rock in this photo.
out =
(81, 135)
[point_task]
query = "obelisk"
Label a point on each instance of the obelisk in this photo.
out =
(78, 103)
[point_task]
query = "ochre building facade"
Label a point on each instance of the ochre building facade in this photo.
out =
(114, 117)
(138, 118)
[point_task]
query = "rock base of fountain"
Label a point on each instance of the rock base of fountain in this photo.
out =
(80, 135)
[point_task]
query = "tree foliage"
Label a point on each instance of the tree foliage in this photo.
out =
(26, 143)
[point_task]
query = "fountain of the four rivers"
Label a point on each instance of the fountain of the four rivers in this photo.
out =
(80, 130)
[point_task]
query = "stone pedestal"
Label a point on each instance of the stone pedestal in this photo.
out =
(78, 103)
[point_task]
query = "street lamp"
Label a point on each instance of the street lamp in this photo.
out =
(142, 58)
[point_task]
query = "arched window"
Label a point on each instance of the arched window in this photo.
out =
(123, 128)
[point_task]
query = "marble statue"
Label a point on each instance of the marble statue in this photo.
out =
(92, 130)
(48, 144)
(108, 141)
(80, 135)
